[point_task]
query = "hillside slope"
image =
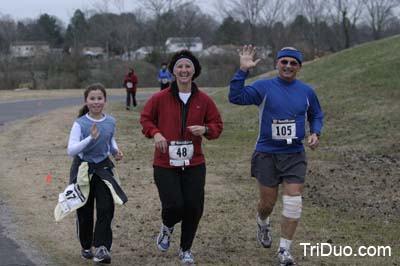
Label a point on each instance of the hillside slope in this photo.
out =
(353, 176)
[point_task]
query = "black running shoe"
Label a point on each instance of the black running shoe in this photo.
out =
(87, 254)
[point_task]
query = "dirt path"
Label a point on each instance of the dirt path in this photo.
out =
(35, 147)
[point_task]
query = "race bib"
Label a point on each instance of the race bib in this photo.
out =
(71, 198)
(284, 130)
(129, 85)
(180, 153)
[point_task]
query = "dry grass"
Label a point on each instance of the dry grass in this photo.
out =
(226, 236)
(39, 148)
(36, 147)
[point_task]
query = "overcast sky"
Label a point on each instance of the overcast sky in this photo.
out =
(64, 9)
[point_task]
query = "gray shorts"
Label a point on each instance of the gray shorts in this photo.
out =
(271, 169)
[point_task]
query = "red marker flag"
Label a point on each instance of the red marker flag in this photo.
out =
(48, 178)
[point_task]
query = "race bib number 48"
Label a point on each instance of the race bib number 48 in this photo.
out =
(180, 152)
(283, 129)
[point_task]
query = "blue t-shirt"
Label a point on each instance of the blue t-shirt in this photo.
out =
(165, 74)
(284, 108)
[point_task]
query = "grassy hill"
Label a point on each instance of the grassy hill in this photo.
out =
(351, 197)
(352, 179)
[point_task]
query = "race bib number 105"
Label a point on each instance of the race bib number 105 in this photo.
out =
(283, 129)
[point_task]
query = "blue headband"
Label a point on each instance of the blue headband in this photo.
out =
(290, 53)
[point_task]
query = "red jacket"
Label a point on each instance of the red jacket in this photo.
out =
(132, 78)
(164, 113)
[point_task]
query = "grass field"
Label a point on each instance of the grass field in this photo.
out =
(351, 196)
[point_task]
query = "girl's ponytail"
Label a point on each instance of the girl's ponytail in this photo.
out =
(84, 110)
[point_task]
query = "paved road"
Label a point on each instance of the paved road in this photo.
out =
(11, 253)
(11, 111)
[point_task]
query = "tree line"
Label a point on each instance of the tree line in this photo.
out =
(314, 26)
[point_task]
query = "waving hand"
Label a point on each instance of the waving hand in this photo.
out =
(246, 55)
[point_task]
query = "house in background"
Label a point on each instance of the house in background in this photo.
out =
(174, 44)
(214, 50)
(93, 51)
(29, 49)
(139, 54)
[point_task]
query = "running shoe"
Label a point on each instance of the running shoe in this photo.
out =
(102, 255)
(284, 257)
(264, 235)
(87, 254)
(186, 257)
(164, 238)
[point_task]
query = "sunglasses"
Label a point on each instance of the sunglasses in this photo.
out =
(291, 63)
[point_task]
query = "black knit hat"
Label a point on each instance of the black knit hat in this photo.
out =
(185, 54)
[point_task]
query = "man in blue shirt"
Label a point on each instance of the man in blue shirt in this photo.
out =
(164, 76)
(285, 105)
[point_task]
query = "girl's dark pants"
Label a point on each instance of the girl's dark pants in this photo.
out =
(182, 198)
(99, 192)
(102, 234)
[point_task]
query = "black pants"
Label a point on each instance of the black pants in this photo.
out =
(164, 85)
(102, 234)
(182, 198)
(129, 95)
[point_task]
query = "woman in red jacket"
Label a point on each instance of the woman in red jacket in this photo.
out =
(178, 118)
(130, 83)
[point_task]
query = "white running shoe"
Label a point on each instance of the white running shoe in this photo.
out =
(164, 238)
(264, 235)
(102, 255)
(186, 257)
(284, 257)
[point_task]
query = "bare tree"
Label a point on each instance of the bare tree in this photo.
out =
(192, 22)
(273, 11)
(8, 33)
(119, 5)
(346, 13)
(249, 11)
(315, 11)
(128, 29)
(102, 6)
(116, 32)
(105, 6)
(160, 7)
(161, 10)
(380, 12)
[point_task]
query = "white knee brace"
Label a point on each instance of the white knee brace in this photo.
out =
(292, 206)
